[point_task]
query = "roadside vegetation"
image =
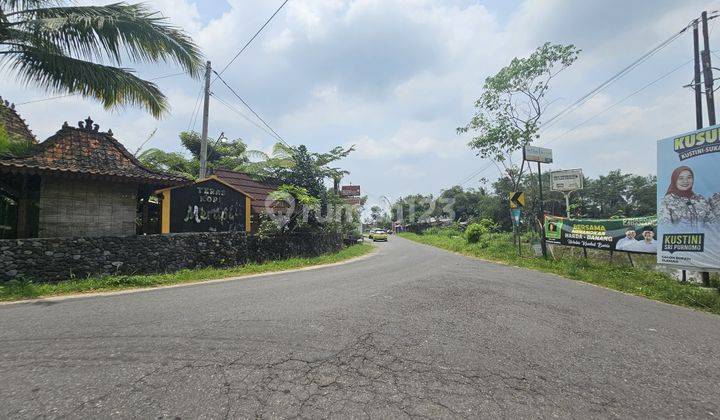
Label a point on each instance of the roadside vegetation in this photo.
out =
(617, 275)
(19, 290)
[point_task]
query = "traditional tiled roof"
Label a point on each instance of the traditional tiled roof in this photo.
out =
(242, 181)
(86, 151)
(13, 123)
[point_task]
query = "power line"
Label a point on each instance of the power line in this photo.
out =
(196, 108)
(46, 99)
(169, 75)
(619, 102)
(252, 110)
(604, 85)
(570, 108)
(252, 39)
(237, 111)
(75, 94)
(474, 174)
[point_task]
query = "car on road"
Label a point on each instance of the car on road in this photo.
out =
(378, 235)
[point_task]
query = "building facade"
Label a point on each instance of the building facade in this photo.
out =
(80, 182)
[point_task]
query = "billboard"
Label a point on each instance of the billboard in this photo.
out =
(537, 154)
(350, 191)
(688, 200)
(569, 180)
(633, 234)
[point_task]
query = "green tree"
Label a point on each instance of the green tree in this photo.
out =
(12, 145)
(375, 213)
(642, 195)
(413, 211)
(222, 153)
(55, 46)
(509, 111)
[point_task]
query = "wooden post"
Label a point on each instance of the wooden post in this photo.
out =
(23, 210)
(630, 258)
(145, 214)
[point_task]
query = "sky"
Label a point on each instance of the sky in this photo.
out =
(396, 78)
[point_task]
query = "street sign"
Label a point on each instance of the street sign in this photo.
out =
(569, 180)
(350, 191)
(517, 199)
(537, 154)
(516, 216)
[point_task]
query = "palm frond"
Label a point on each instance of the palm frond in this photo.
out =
(94, 32)
(282, 150)
(61, 74)
(256, 154)
(171, 162)
(17, 5)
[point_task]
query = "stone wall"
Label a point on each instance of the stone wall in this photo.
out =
(71, 207)
(55, 259)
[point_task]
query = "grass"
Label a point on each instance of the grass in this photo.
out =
(646, 282)
(19, 290)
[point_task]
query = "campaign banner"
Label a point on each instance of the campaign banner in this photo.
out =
(632, 234)
(688, 200)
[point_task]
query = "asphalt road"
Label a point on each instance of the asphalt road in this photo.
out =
(412, 331)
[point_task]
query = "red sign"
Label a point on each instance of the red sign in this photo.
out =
(350, 191)
(353, 201)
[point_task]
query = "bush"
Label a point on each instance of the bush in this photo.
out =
(474, 232)
(442, 231)
(488, 224)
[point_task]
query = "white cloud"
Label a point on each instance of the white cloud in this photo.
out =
(396, 77)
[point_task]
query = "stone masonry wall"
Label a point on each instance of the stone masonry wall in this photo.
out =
(75, 207)
(55, 259)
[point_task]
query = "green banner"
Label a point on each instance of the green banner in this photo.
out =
(634, 234)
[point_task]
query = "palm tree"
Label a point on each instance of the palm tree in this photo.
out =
(222, 153)
(75, 49)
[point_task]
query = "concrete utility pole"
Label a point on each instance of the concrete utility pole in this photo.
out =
(696, 81)
(707, 71)
(710, 97)
(206, 112)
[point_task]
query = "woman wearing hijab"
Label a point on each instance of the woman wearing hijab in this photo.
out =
(681, 204)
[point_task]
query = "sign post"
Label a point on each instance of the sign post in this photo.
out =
(566, 182)
(539, 155)
(517, 202)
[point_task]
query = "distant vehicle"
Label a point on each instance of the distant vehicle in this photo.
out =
(378, 235)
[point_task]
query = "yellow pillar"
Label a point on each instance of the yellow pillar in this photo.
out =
(248, 204)
(165, 227)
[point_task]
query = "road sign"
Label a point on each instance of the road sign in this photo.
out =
(350, 191)
(570, 180)
(517, 199)
(537, 154)
(516, 216)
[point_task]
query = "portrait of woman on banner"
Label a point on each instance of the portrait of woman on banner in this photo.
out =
(681, 205)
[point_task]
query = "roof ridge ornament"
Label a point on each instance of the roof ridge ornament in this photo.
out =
(88, 125)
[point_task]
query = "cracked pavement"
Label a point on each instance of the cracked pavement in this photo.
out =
(410, 332)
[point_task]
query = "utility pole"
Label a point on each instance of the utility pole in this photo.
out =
(543, 245)
(696, 84)
(206, 112)
(707, 71)
(710, 97)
